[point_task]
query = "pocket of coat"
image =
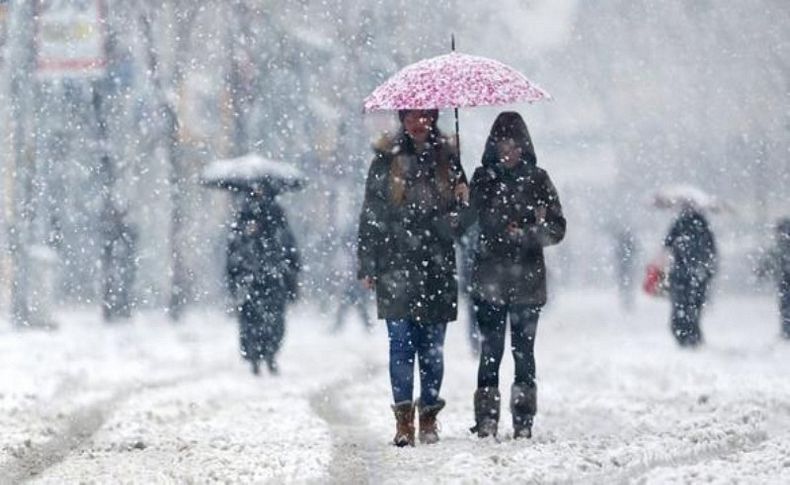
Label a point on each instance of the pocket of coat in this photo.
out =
(394, 282)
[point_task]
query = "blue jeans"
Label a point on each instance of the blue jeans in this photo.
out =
(426, 341)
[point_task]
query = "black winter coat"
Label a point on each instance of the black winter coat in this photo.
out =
(509, 268)
(693, 250)
(407, 245)
(263, 260)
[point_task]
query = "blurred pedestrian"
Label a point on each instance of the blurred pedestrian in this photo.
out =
(263, 266)
(406, 252)
(519, 213)
(777, 265)
(351, 295)
(466, 259)
(625, 266)
(693, 263)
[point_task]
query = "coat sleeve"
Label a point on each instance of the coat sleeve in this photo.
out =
(461, 215)
(768, 265)
(550, 229)
(371, 218)
(235, 266)
(468, 216)
(293, 263)
(713, 260)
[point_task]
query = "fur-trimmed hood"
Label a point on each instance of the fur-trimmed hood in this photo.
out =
(391, 144)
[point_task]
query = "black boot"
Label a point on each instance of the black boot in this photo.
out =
(271, 364)
(256, 367)
(429, 428)
(487, 406)
(523, 406)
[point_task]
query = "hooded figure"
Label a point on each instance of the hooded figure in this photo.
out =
(406, 252)
(262, 268)
(692, 248)
(519, 213)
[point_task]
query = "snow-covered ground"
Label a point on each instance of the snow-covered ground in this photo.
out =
(149, 402)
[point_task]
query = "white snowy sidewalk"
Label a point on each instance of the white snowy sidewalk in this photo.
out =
(149, 402)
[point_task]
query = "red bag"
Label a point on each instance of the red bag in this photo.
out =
(655, 280)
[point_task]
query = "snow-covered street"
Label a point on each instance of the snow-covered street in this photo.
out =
(149, 402)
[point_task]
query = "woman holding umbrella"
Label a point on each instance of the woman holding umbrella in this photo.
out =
(406, 227)
(519, 213)
(406, 253)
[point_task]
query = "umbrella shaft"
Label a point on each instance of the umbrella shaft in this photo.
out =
(457, 136)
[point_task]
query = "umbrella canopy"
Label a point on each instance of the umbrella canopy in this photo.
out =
(252, 170)
(453, 81)
(683, 195)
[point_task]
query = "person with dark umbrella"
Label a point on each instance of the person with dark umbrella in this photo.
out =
(693, 256)
(262, 270)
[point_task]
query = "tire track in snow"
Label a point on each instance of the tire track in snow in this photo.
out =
(83, 424)
(714, 450)
(355, 450)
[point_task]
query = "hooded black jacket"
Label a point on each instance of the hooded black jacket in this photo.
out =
(510, 268)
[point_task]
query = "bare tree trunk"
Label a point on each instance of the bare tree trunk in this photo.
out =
(166, 86)
(21, 97)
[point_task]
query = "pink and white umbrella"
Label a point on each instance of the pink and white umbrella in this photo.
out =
(453, 81)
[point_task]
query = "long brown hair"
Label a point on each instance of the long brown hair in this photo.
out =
(443, 153)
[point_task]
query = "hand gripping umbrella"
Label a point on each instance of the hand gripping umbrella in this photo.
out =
(454, 81)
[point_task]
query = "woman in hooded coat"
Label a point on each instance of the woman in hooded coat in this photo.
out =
(519, 213)
(406, 253)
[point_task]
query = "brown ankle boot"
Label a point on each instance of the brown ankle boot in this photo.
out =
(429, 430)
(404, 419)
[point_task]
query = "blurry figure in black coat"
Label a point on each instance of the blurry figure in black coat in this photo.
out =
(777, 265)
(692, 249)
(263, 267)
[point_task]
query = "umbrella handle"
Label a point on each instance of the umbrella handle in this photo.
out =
(457, 124)
(457, 136)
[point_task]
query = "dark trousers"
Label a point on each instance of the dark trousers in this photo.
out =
(492, 321)
(261, 328)
(688, 299)
(425, 341)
